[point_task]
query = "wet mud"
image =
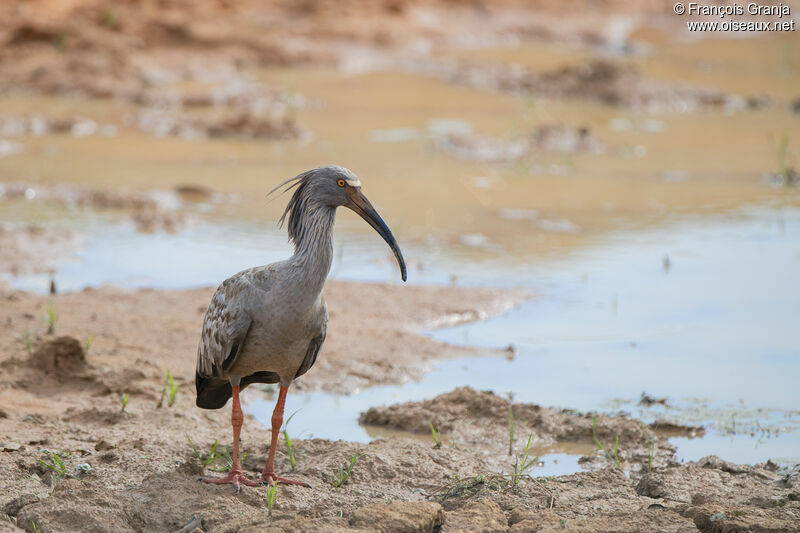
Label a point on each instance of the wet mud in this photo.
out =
(119, 462)
(120, 467)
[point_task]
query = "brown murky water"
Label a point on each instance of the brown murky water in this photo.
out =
(383, 125)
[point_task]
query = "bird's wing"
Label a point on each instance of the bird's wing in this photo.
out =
(315, 344)
(225, 326)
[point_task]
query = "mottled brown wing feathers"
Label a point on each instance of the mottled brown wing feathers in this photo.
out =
(224, 328)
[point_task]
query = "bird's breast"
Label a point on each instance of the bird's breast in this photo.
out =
(278, 342)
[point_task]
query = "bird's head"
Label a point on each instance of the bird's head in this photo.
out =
(334, 186)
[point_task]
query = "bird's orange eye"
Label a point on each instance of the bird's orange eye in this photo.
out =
(340, 183)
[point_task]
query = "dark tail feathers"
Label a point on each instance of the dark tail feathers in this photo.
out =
(214, 392)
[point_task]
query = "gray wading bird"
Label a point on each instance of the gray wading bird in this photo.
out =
(267, 324)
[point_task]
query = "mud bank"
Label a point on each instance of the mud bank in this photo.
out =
(121, 467)
(375, 336)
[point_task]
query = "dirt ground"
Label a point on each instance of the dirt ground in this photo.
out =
(135, 469)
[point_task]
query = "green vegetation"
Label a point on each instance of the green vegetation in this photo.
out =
(213, 456)
(437, 443)
(783, 168)
(522, 463)
(51, 319)
(594, 433)
(510, 431)
(170, 391)
(289, 448)
(614, 453)
(786, 174)
(56, 466)
(125, 399)
(27, 340)
(344, 473)
(87, 343)
(210, 458)
(271, 496)
(108, 18)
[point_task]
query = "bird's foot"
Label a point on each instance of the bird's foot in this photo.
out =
(234, 477)
(269, 478)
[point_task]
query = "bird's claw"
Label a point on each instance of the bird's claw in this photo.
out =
(235, 478)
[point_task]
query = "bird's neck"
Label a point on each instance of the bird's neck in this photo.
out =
(313, 247)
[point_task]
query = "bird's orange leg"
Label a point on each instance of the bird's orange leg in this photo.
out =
(268, 476)
(235, 477)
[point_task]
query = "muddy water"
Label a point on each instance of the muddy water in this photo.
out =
(700, 312)
(710, 329)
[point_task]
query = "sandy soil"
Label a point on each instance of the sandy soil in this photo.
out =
(120, 467)
(140, 459)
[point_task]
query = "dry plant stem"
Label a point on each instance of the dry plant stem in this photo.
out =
(235, 476)
(268, 476)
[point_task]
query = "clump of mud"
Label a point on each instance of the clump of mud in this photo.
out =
(62, 356)
(470, 413)
(481, 419)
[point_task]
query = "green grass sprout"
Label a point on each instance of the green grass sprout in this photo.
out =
(51, 319)
(56, 466)
(272, 496)
(594, 433)
(344, 473)
(169, 391)
(27, 340)
(522, 462)
(289, 447)
(437, 443)
(510, 431)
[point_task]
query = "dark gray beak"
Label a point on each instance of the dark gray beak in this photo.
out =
(360, 204)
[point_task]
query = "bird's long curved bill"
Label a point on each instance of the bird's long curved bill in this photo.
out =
(360, 204)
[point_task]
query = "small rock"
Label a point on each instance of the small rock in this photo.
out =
(103, 446)
(9, 446)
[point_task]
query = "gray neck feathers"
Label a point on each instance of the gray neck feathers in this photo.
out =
(311, 231)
